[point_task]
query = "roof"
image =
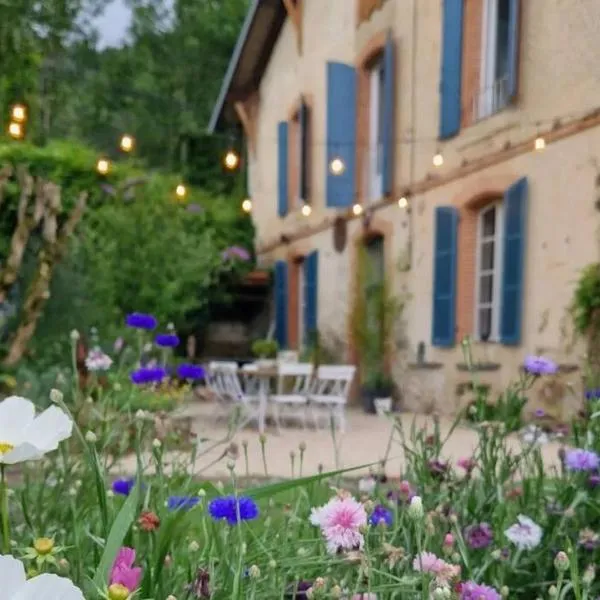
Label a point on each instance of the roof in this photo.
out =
(250, 57)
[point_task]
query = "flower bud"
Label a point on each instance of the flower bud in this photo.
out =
(91, 437)
(272, 564)
(254, 572)
(336, 591)
(75, 335)
(415, 510)
(118, 592)
(588, 575)
(504, 591)
(561, 562)
(56, 396)
(63, 565)
(194, 546)
(552, 591)
(171, 597)
(156, 444)
(140, 415)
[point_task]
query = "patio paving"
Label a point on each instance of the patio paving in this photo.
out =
(368, 439)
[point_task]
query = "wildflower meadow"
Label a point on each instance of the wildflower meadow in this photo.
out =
(74, 524)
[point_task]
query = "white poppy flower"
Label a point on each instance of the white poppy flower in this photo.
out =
(526, 534)
(15, 586)
(25, 436)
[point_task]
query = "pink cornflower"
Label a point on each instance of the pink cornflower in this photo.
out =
(341, 520)
(123, 572)
(427, 562)
(468, 464)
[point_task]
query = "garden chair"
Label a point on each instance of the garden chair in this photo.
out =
(216, 385)
(329, 394)
(293, 386)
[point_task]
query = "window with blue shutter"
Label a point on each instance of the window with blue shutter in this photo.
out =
(282, 169)
(444, 276)
(281, 303)
(311, 291)
(450, 79)
(513, 266)
(514, 18)
(304, 119)
(389, 92)
(341, 133)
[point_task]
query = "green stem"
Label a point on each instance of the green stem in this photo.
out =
(4, 509)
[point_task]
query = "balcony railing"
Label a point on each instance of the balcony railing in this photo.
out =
(490, 100)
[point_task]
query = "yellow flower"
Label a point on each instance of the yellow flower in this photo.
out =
(43, 545)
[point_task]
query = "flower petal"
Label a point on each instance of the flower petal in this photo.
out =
(48, 429)
(16, 414)
(49, 587)
(12, 576)
(21, 453)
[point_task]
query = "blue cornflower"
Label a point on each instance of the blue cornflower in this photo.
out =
(177, 502)
(148, 375)
(539, 365)
(123, 487)
(189, 371)
(167, 340)
(226, 508)
(380, 515)
(141, 321)
(592, 394)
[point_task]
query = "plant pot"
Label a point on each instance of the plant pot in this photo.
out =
(370, 393)
(383, 406)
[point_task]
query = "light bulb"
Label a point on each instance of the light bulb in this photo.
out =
(103, 166)
(15, 130)
(247, 205)
(357, 209)
(337, 166)
(127, 143)
(403, 202)
(180, 191)
(438, 160)
(18, 113)
(231, 160)
(306, 210)
(540, 143)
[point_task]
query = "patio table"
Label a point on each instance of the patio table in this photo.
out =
(263, 374)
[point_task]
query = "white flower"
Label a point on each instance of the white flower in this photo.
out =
(367, 485)
(16, 586)
(526, 534)
(25, 436)
(98, 361)
(415, 510)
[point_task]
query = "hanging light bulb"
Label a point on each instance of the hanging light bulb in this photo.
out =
(231, 160)
(306, 210)
(540, 143)
(438, 159)
(127, 143)
(357, 209)
(103, 166)
(15, 130)
(181, 191)
(247, 205)
(403, 202)
(337, 166)
(18, 113)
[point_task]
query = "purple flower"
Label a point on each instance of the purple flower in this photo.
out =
(581, 460)
(148, 375)
(381, 515)
(538, 365)
(539, 413)
(592, 394)
(235, 252)
(594, 481)
(141, 321)
(438, 468)
(479, 536)
(122, 487)
(167, 340)
(477, 591)
(189, 371)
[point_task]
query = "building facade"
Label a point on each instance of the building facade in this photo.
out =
(457, 142)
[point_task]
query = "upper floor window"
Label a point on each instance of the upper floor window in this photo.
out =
(374, 164)
(488, 272)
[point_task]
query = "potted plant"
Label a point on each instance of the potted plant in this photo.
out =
(265, 350)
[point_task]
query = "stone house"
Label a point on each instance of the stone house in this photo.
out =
(458, 141)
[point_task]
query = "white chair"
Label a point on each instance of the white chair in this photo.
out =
(293, 387)
(287, 356)
(329, 394)
(227, 381)
(217, 385)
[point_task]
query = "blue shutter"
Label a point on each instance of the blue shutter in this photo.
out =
(341, 133)
(389, 89)
(282, 169)
(514, 17)
(304, 118)
(450, 83)
(444, 277)
(311, 292)
(513, 266)
(281, 303)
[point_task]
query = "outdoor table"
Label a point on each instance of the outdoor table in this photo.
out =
(264, 374)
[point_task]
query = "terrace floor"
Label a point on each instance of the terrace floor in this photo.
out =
(368, 439)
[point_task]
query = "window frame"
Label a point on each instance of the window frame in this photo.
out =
(301, 300)
(496, 271)
(374, 163)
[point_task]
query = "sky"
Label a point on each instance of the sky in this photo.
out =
(112, 25)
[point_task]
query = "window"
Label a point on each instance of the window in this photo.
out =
(301, 299)
(295, 166)
(488, 273)
(376, 113)
(495, 57)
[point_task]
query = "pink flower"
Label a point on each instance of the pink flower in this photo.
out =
(123, 572)
(427, 562)
(468, 464)
(341, 520)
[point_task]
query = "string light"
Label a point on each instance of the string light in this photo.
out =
(403, 202)
(103, 166)
(540, 143)
(357, 210)
(127, 143)
(180, 191)
(438, 159)
(231, 160)
(337, 166)
(15, 130)
(18, 113)
(306, 210)
(247, 205)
